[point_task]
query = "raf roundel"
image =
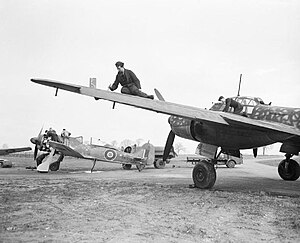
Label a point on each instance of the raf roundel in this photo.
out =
(110, 154)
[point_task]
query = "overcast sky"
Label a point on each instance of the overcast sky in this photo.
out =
(192, 51)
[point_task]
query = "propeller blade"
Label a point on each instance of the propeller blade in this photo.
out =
(39, 137)
(38, 142)
(168, 145)
(35, 152)
(255, 152)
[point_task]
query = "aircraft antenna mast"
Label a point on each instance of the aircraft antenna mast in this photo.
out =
(239, 85)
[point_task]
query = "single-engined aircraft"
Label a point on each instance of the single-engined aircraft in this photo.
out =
(5, 163)
(260, 125)
(54, 153)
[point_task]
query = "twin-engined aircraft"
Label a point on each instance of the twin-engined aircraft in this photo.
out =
(53, 153)
(260, 125)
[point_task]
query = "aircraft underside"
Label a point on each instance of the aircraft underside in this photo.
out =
(231, 140)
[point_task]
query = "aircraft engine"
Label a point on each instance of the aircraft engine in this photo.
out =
(183, 127)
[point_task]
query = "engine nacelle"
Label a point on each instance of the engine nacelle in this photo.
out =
(182, 127)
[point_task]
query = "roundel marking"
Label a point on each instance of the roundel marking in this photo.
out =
(110, 154)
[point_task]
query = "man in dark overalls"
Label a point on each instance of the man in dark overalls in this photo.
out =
(130, 83)
(229, 102)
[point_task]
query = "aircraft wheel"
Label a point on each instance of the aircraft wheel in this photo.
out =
(293, 171)
(40, 158)
(159, 164)
(126, 166)
(54, 166)
(230, 163)
(204, 175)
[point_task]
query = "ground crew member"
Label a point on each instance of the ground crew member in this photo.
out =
(65, 136)
(229, 102)
(130, 83)
(53, 135)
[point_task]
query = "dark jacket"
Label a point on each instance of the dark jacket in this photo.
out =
(126, 79)
(234, 104)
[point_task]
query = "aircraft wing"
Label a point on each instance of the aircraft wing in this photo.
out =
(67, 151)
(139, 102)
(173, 108)
(13, 150)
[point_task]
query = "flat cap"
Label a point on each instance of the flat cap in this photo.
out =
(220, 98)
(119, 64)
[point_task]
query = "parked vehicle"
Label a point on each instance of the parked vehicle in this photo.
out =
(224, 159)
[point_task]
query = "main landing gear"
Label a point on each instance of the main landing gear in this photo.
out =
(53, 166)
(289, 169)
(204, 174)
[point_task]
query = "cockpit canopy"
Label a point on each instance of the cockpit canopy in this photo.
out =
(248, 104)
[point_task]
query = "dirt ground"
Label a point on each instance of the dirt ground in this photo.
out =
(249, 203)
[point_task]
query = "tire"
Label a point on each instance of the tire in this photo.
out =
(54, 166)
(126, 166)
(204, 175)
(230, 163)
(293, 170)
(159, 164)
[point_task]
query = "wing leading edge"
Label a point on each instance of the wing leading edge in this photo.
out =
(171, 108)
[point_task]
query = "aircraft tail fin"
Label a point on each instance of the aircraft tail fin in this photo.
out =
(149, 154)
(159, 96)
(145, 153)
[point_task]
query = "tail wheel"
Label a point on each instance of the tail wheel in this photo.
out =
(126, 166)
(230, 163)
(140, 167)
(159, 164)
(291, 173)
(204, 175)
